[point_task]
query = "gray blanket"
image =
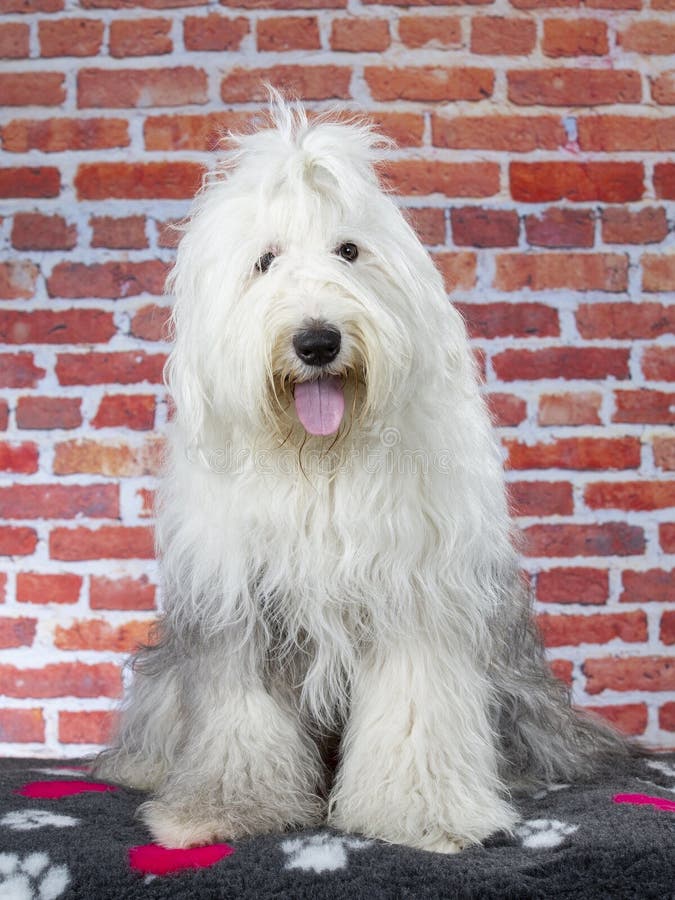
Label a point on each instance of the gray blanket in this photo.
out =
(64, 837)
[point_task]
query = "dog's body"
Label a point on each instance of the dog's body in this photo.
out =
(337, 557)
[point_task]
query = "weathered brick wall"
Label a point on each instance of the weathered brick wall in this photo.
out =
(535, 156)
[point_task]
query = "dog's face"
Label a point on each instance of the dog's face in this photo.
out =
(302, 294)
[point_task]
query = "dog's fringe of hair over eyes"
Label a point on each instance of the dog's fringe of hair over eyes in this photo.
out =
(382, 600)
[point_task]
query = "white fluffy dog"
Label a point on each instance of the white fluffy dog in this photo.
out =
(336, 546)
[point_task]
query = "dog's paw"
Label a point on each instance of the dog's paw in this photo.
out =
(445, 844)
(178, 828)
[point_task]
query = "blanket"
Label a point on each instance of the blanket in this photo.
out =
(65, 836)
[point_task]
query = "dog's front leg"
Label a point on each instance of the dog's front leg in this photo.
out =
(418, 763)
(245, 765)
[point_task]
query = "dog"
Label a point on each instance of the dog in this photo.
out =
(339, 566)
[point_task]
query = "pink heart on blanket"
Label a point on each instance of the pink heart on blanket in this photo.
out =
(645, 799)
(151, 859)
(53, 790)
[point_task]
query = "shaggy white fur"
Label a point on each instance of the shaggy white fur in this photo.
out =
(336, 547)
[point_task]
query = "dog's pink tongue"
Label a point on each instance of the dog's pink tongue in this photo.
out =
(320, 404)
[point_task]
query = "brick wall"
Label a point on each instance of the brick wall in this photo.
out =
(535, 158)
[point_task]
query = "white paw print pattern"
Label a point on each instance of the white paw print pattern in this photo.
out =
(543, 834)
(31, 819)
(320, 853)
(31, 877)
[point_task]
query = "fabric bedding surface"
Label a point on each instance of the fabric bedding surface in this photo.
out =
(65, 836)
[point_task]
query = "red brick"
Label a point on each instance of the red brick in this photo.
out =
(575, 453)
(147, 500)
(117, 460)
(610, 182)
(14, 40)
(121, 593)
(573, 585)
(540, 498)
(17, 541)
(140, 88)
(517, 134)
(169, 233)
(97, 634)
(562, 362)
(22, 726)
(642, 406)
(476, 227)
(56, 135)
(109, 280)
(17, 279)
(667, 537)
(664, 452)
(608, 539)
(667, 627)
(557, 271)
(663, 87)
(655, 37)
(70, 37)
(245, 85)
(625, 321)
(573, 87)
(288, 33)
(107, 542)
(87, 727)
(214, 32)
(138, 181)
(360, 35)
(444, 32)
(32, 89)
(630, 495)
(68, 326)
(135, 411)
(149, 4)
(579, 408)
(429, 83)
(492, 320)
(4, 415)
(583, 37)
(16, 632)
(658, 272)
(428, 223)
(21, 458)
(34, 587)
(150, 323)
(126, 233)
(658, 363)
(562, 669)
(499, 36)
(629, 718)
(17, 370)
(644, 226)
(191, 132)
(640, 673)
(600, 628)
(48, 412)
(29, 6)
(62, 680)
(59, 501)
(667, 716)
(140, 37)
(664, 181)
(652, 585)
(616, 133)
(37, 181)
(458, 270)
(35, 231)
(556, 227)
(415, 177)
(123, 367)
(286, 4)
(506, 409)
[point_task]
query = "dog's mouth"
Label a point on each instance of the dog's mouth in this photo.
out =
(320, 404)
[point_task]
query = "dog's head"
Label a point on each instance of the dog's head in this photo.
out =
(305, 305)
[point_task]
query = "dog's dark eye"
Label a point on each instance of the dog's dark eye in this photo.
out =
(265, 261)
(348, 251)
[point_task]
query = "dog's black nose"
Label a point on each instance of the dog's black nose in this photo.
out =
(317, 346)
